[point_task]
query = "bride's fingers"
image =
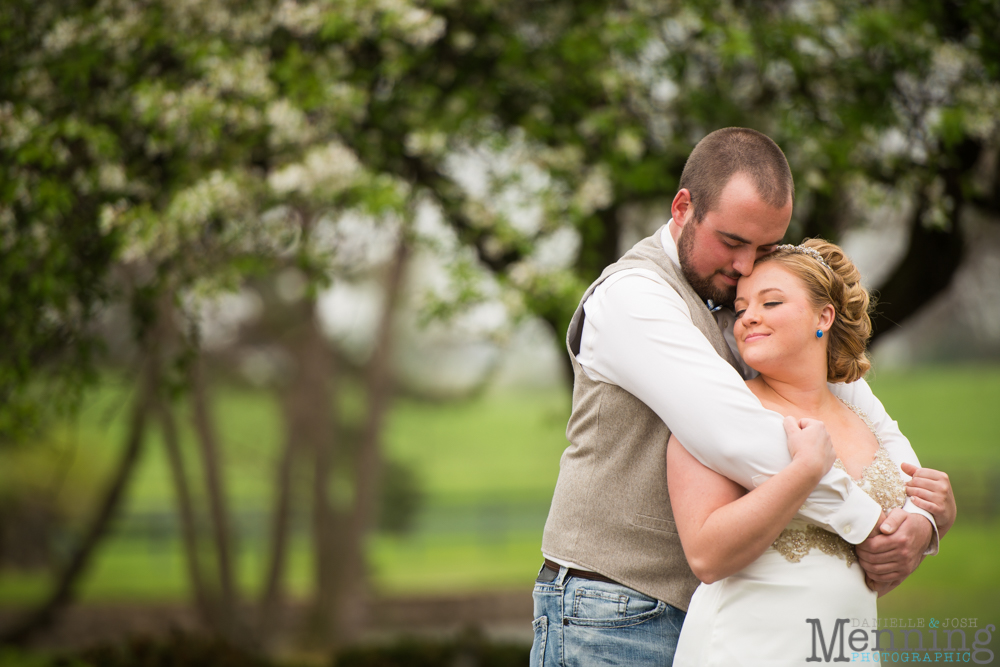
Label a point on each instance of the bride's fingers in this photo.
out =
(927, 483)
(925, 494)
(927, 505)
(931, 473)
(933, 505)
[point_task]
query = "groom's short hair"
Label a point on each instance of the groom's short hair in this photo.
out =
(736, 150)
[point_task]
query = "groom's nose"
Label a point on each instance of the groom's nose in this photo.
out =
(744, 260)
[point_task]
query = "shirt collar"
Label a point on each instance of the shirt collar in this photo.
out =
(669, 246)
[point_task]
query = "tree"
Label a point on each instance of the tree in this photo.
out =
(154, 152)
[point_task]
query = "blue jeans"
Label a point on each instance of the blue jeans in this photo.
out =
(580, 622)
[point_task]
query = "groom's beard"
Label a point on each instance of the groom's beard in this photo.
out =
(702, 285)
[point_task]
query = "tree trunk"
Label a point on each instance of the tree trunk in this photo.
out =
(221, 533)
(931, 261)
(308, 409)
(186, 515)
(66, 584)
(353, 591)
(280, 529)
(316, 410)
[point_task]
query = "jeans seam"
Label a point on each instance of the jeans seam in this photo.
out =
(619, 622)
(562, 623)
(543, 643)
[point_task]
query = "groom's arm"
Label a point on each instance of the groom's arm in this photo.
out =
(639, 335)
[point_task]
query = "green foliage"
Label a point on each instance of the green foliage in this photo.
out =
(40, 503)
(402, 498)
(181, 139)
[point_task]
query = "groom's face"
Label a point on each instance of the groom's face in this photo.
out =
(723, 247)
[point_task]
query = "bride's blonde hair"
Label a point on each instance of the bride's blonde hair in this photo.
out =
(837, 283)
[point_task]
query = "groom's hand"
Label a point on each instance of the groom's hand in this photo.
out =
(894, 553)
(881, 587)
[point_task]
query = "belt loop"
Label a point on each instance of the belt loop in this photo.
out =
(561, 577)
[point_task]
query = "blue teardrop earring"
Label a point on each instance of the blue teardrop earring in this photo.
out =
(819, 333)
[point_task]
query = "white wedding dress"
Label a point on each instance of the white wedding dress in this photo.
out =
(758, 615)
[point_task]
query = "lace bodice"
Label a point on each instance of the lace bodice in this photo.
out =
(880, 479)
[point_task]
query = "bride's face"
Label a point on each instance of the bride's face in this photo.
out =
(775, 320)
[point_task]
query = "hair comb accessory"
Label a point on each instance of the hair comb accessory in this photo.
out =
(802, 250)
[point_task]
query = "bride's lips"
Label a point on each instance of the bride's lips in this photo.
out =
(755, 336)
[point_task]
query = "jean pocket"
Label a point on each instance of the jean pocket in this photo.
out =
(541, 627)
(611, 605)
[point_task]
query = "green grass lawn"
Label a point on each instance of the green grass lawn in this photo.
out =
(488, 466)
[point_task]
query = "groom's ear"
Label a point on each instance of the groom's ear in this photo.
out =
(682, 208)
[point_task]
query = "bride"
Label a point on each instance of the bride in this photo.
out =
(802, 321)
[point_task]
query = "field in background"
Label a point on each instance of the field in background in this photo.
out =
(487, 466)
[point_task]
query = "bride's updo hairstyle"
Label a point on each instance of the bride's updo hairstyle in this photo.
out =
(839, 285)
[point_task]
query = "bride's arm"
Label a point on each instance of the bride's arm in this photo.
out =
(859, 393)
(722, 527)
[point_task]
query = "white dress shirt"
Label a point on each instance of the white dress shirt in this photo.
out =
(638, 335)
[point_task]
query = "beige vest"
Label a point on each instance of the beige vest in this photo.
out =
(610, 511)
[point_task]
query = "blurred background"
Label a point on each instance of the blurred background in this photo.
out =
(284, 287)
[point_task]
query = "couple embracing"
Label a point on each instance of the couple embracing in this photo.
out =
(729, 471)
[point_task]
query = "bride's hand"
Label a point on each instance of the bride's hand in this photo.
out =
(810, 445)
(930, 490)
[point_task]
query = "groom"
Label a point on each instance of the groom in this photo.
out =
(653, 353)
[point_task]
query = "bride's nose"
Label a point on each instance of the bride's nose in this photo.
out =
(750, 316)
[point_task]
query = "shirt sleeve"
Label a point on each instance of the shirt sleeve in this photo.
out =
(899, 448)
(638, 334)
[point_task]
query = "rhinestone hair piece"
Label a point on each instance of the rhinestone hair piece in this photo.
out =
(803, 250)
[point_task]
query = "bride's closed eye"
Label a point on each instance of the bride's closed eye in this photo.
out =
(768, 304)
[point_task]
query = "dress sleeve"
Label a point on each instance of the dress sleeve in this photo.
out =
(638, 334)
(898, 446)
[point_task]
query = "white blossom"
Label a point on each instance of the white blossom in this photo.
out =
(595, 192)
(247, 75)
(426, 142)
(111, 177)
(288, 123)
(630, 144)
(326, 170)
(193, 206)
(420, 27)
(64, 34)
(17, 125)
(299, 18)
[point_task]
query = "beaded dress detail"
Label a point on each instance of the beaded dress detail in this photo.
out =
(880, 479)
